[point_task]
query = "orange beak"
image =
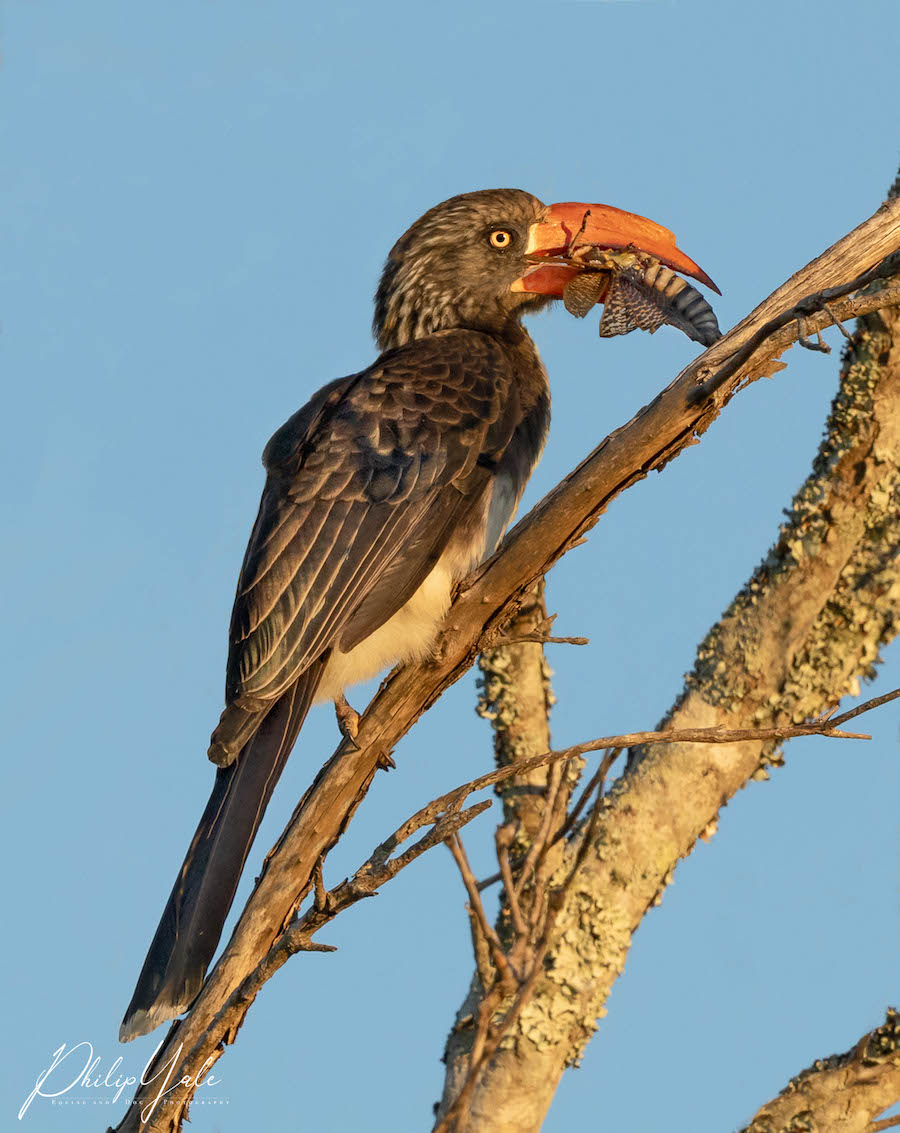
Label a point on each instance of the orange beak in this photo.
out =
(565, 228)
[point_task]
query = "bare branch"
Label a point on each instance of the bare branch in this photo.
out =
(876, 702)
(503, 838)
(516, 697)
(378, 870)
(888, 1123)
(538, 640)
(508, 977)
(812, 313)
(594, 784)
(841, 1093)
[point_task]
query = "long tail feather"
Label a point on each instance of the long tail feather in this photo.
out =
(195, 913)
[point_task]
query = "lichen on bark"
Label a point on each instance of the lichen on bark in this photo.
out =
(516, 696)
(844, 520)
(841, 1093)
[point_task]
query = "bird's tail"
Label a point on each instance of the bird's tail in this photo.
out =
(192, 921)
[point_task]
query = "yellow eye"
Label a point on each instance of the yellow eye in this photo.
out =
(500, 238)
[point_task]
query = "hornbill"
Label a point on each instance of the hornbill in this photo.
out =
(381, 492)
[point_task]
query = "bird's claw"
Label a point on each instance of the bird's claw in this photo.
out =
(821, 346)
(347, 721)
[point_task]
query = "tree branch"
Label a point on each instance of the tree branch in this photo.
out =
(515, 695)
(841, 1093)
(484, 604)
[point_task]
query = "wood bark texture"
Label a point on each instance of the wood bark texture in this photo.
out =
(843, 1093)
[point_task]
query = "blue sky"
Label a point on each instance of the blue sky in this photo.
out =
(198, 198)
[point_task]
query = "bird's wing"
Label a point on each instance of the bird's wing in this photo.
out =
(365, 487)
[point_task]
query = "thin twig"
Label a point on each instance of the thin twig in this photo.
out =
(540, 635)
(538, 639)
(507, 976)
(595, 781)
(715, 735)
(445, 827)
(885, 1123)
(321, 898)
(503, 839)
(375, 872)
(586, 842)
(875, 702)
(813, 304)
(484, 965)
(837, 322)
(540, 839)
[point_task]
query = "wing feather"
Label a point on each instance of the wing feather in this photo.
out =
(284, 529)
(365, 487)
(347, 593)
(401, 579)
(288, 619)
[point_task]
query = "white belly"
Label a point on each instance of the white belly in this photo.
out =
(407, 636)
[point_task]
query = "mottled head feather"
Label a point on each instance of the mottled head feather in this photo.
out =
(443, 272)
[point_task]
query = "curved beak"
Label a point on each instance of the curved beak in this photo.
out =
(564, 229)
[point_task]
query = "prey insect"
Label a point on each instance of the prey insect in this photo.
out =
(638, 293)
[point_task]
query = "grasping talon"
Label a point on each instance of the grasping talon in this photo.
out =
(347, 720)
(821, 346)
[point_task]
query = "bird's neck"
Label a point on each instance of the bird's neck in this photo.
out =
(412, 305)
(402, 323)
(412, 308)
(534, 388)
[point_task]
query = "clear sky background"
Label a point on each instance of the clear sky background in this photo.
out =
(197, 200)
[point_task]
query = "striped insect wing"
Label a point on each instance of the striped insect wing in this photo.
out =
(630, 306)
(584, 291)
(682, 306)
(638, 293)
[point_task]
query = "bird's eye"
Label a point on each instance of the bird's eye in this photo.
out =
(500, 238)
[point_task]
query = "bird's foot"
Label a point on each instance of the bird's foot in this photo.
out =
(347, 720)
(820, 345)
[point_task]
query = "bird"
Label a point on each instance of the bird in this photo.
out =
(381, 493)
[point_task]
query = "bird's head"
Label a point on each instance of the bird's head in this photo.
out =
(482, 259)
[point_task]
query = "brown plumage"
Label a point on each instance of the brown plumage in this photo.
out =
(383, 491)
